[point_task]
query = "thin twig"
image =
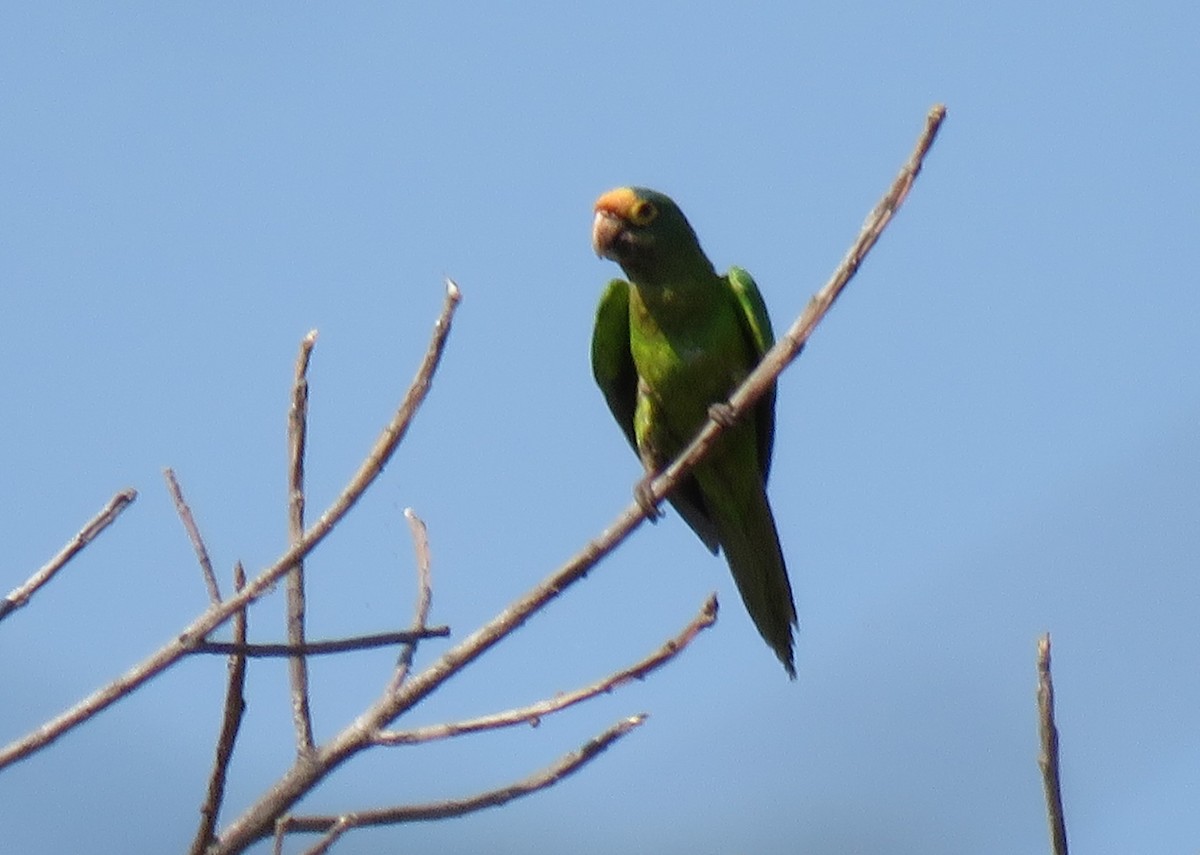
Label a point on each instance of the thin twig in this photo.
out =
(549, 776)
(344, 823)
(297, 440)
(256, 822)
(231, 721)
(534, 713)
(193, 532)
(1048, 759)
(216, 615)
(20, 595)
(320, 648)
(420, 536)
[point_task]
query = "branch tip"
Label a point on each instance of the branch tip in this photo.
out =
(788, 346)
(20, 595)
(535, 712)
(1048, 759)
(551, 775)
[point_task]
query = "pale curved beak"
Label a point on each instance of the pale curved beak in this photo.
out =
(606, 228)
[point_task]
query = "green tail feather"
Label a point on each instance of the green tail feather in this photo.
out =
(751, 544)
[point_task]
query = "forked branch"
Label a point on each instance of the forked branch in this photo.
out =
(534, 713)
(218, 614)
(549, 776)
(258, 820)
(405, 690)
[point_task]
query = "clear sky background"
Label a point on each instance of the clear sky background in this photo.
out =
(995, 433)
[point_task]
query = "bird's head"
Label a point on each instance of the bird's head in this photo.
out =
(646, 233)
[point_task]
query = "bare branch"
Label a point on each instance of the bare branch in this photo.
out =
(420, 536)
(1048, 760)
(216, 615)
(20, 595)
(231, 722)
(549, 776)
(297, 440)
(256, 822)
(193, 532)
(534, 713)
(792, 342)
(344, 823)
(320, 648)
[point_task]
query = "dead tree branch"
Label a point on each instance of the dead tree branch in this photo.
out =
(789, 345)
(534, 713)
(20, 595)
(259, 819)
(420, 537)
(321, 648)
(297, 440)
(193, 532)
(405, 690)
(231, 722)
(1048, 759)
(216, 615)
(549, 776)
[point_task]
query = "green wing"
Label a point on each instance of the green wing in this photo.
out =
(616, 375)
(612, 360)
(756, 324)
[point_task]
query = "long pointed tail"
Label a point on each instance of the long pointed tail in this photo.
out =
(751, 544)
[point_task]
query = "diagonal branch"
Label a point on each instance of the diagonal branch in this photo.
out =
(549, 776)
(1048, 760)
(231, 722)
(297, 440)
(193, 532)
(20, 595)
(534, 713)
(257, 820)
(216, 615)
(763, 377)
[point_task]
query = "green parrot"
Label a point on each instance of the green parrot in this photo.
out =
(670, 344)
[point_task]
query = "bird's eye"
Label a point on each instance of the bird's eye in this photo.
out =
(642, 213)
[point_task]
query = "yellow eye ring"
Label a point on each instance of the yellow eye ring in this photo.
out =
(642, 213)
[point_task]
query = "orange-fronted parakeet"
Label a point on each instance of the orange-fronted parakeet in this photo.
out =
(673, 341)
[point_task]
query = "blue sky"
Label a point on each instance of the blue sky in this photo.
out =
(994, 434)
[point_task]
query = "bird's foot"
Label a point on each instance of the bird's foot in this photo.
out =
(722, 414)
(644, 496)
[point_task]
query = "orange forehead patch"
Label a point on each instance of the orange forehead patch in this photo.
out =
(619, 201)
